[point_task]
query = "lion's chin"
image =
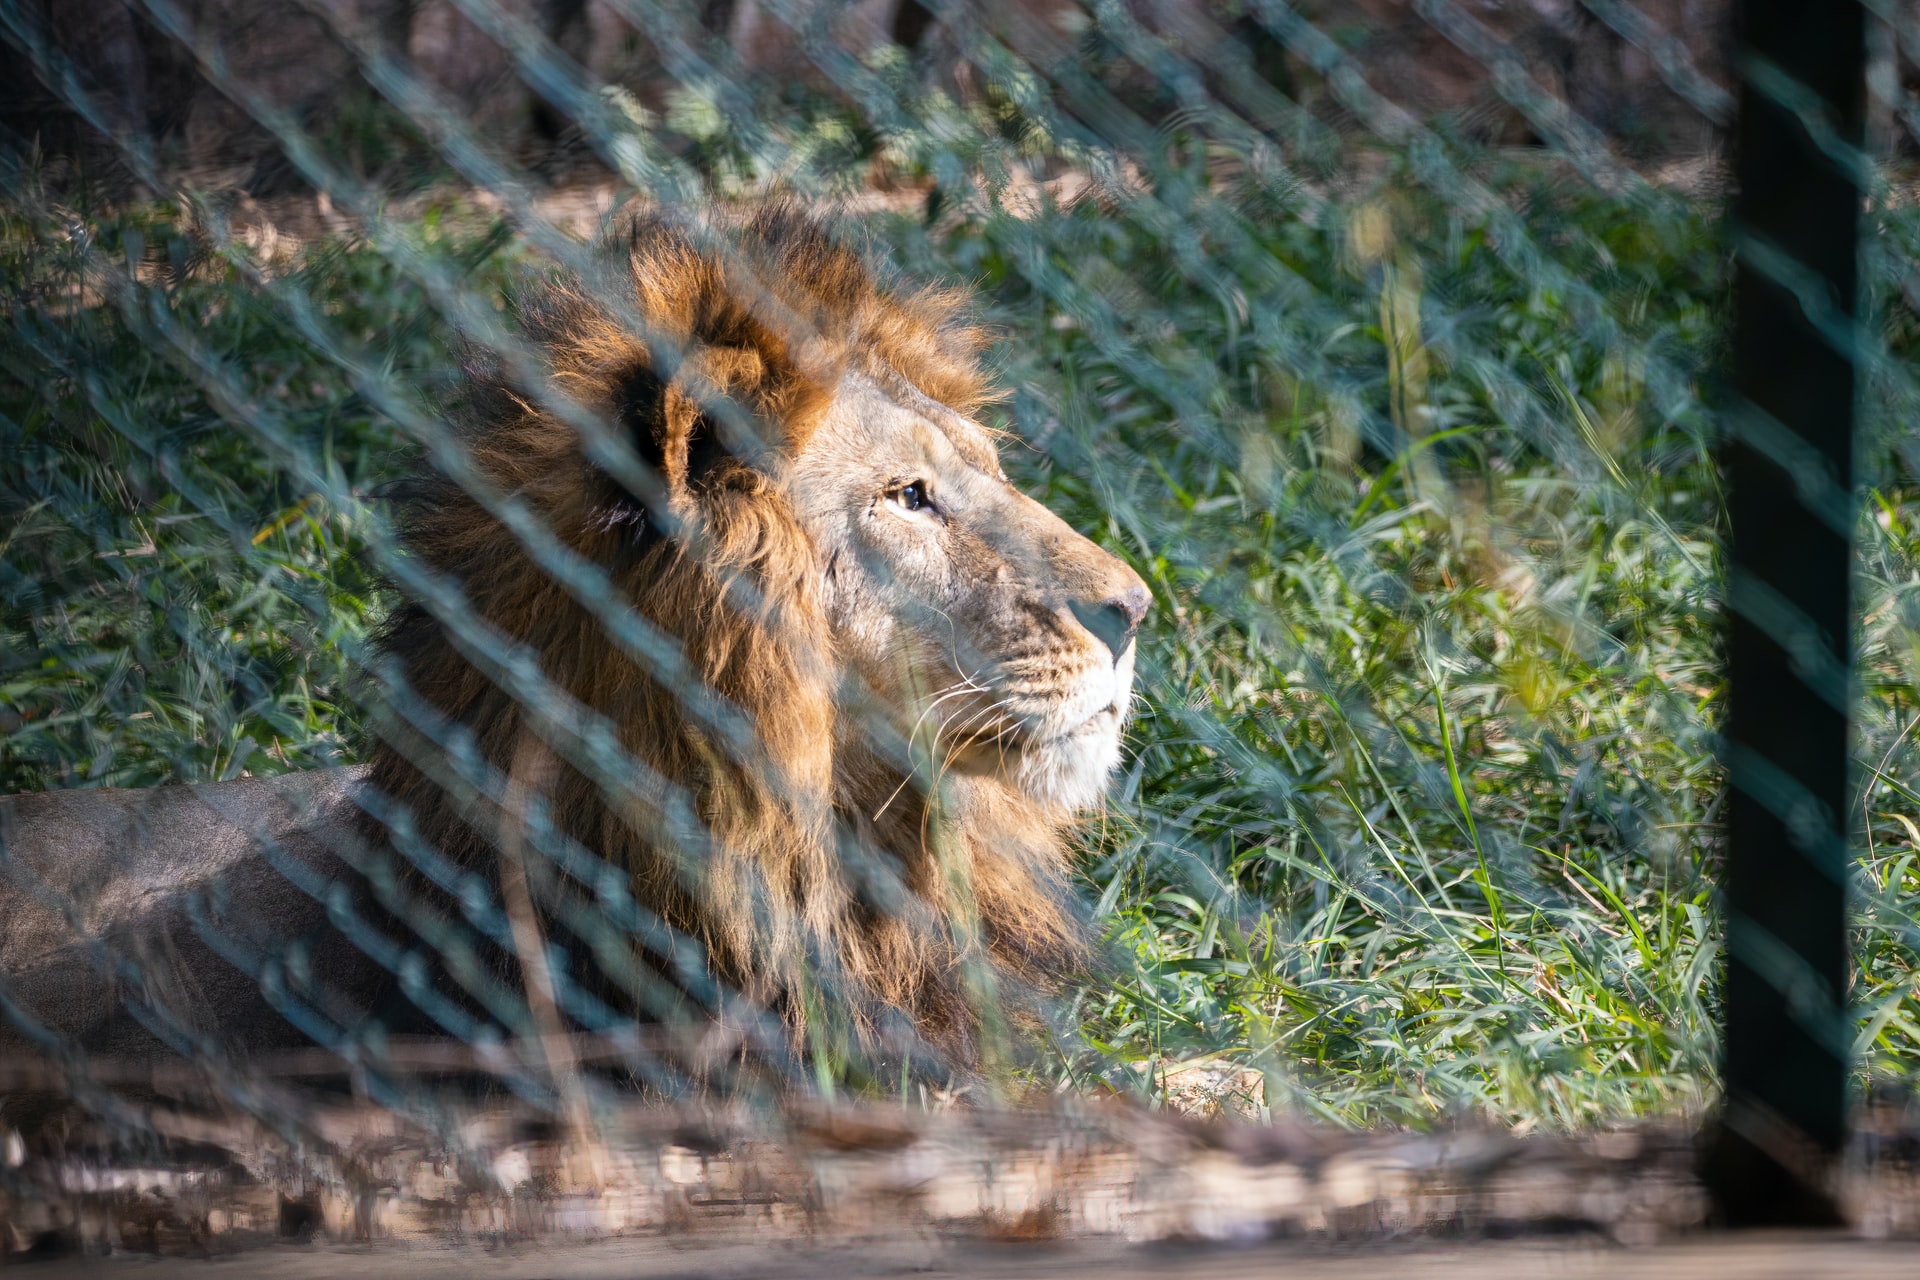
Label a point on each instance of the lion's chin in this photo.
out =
(1063, 768)
(1069, 773)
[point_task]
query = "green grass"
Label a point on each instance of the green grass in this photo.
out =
(1420, 816)
(1424, 815)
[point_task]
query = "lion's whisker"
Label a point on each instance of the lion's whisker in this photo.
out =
(960, 731)
(964, 741)
(952, 691)
(953, 649)
(954, 747)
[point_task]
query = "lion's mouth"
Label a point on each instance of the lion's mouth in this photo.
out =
(1101, 721)
(1016, 736)
(1057, 753)
(1031, 732)
(1097, 724)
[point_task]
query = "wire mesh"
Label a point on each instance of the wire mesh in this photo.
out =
(1379, 341)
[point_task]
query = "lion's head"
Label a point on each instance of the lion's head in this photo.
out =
(958, 597)
(935, 668)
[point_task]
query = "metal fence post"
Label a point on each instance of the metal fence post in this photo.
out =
(1788, 462)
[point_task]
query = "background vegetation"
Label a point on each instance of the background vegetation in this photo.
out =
(1420, 814)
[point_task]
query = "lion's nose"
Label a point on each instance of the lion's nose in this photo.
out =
(1114, 619)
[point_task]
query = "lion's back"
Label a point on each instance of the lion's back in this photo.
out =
(177, 898)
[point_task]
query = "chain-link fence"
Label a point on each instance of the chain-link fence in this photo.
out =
(569, 426)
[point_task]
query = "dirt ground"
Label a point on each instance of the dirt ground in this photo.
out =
(841, 1191)
(1745, 1257)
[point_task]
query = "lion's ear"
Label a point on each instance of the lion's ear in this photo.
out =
(696, 444)
(640, 408)
(672, 434)
(677, 427)
(640, 413)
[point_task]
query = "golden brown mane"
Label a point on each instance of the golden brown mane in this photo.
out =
(791, 872)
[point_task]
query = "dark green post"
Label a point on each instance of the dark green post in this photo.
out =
(1788, 462)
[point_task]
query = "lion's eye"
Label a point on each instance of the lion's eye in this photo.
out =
(912, 496)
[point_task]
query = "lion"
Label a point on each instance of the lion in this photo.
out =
(869, 687)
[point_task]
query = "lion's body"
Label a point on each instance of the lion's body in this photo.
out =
(844, 587)
(168, 901)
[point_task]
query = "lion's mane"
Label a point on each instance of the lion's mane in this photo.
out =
(786, 871)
